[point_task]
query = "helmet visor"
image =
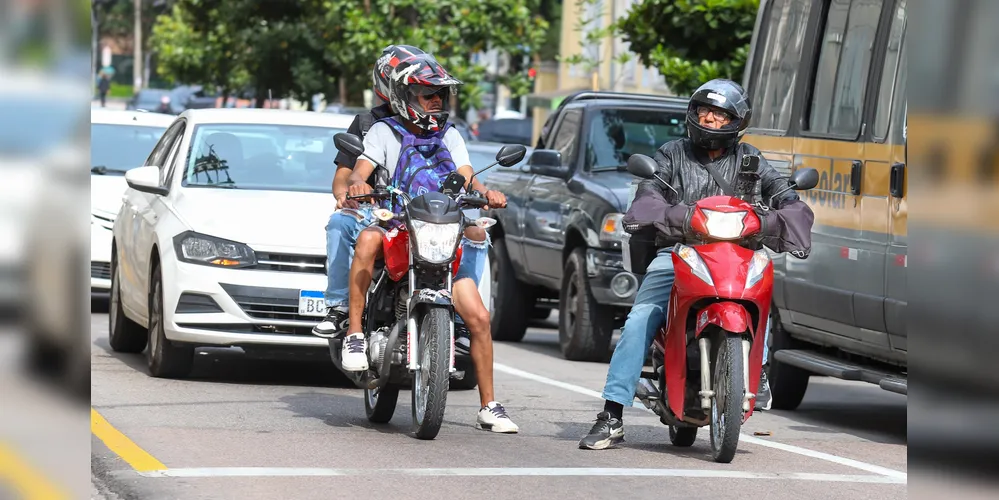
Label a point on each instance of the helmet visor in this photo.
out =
(430, 90)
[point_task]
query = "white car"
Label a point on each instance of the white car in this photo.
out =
(220, 239)
(119, 141)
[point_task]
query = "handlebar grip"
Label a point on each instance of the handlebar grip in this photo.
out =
(373, 194)
(475, 201)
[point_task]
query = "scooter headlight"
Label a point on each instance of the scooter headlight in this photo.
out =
(724, 225)
(436, 243)
(756, 268)
(697, 266)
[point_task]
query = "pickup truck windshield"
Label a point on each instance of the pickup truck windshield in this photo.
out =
(616, 134)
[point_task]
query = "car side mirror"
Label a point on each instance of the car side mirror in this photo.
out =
(642, 166)
(804, 178)
(145, 179)
(510, 155)
(349, 143)
(548, 162)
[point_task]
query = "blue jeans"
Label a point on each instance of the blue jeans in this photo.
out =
(647, 314)
(341, 236)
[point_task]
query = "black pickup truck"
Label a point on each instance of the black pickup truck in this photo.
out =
(557, 244)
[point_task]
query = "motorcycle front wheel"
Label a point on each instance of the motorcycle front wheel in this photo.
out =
(726, 406)
(430, 382)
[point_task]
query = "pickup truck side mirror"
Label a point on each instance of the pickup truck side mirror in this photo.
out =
(548, 162)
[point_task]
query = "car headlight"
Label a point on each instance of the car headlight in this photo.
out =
(611, 229)
(697, 266)
(196, 248)
(756, 267)
(436, 243)
(724, 225)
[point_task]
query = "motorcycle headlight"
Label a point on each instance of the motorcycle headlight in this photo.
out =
(436, 243)
(724, 225)
(689, 255)
(756, 267)
(207, 250)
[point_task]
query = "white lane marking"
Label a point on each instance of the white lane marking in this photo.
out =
(849, 462)
(513, 471)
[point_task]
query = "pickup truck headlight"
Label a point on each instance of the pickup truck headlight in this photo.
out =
(436, 243)
(611, 228)
(196, 248)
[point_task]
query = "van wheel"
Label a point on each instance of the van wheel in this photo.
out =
(787, 383)
(584, 326)
(510, 303)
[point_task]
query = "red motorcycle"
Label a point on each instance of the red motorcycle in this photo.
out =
(712, 342)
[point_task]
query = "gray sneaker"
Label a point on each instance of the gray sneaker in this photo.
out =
(605, 433)
(763, 399)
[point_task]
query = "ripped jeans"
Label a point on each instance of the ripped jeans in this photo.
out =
(647, 314)
(341, 235)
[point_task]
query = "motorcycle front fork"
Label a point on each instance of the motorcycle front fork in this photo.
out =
(706, 393)
(412, 334)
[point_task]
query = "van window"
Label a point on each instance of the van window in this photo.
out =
(779, 55)
(844, 61)
(893, 59)
(898, 122)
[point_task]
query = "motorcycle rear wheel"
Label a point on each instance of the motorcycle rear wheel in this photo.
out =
(379, 404)
(430, 382)
(726, 406)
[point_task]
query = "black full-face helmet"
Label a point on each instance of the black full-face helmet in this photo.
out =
(718, 95)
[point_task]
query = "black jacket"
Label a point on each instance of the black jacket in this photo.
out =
(658, 215)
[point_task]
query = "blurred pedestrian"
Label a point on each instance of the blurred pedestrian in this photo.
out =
(103, 86)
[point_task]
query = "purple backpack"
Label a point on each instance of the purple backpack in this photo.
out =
(424, 162)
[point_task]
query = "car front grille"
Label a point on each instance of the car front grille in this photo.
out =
(100, 270)
(280, 304)
(291, 263)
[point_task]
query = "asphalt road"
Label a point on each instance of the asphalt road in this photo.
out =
(244, 428)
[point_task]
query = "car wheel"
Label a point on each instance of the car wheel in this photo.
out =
(165, 359)
(584, 326)
(787, 383)
(510, 302)
(124, 335)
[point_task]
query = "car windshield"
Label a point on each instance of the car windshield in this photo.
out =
(118, 148)
(262, 157)
(616, 134)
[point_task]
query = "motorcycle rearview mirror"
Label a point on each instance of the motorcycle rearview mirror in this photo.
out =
(507, 156)
(642, 166)
(802, 179)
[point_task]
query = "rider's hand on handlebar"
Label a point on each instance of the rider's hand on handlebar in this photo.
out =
(496, 199)
(359, 189)
(343, 202)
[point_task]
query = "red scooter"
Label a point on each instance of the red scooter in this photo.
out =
(712, 342)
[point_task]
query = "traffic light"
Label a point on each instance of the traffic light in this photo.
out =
(531, 73)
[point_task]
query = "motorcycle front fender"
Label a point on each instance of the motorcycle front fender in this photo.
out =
(729, 316)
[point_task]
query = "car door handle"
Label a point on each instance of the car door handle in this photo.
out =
(897, 183)
(856, 176)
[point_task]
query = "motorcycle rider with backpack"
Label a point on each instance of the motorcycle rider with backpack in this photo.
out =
(422, 148)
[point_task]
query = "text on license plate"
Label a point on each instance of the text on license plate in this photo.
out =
(311, 303)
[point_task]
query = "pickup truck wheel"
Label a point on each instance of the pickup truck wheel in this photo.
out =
(584, 326)
(510, 301)
(787, 383)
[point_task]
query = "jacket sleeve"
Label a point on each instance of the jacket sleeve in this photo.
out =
(788, 228)
(652, 209)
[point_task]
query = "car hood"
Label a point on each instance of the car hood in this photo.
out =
(106, 192)
(262, 219)
(617, 186)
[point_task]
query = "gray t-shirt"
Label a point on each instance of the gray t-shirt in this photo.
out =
(381, 145)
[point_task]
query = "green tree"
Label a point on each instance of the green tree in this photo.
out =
(691, 41)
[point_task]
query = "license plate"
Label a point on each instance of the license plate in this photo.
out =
(311, 303)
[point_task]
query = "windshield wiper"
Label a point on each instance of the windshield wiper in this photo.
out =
(102, 170)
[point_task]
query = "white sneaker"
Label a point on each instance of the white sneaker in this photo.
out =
(355, 353)
(493, 417)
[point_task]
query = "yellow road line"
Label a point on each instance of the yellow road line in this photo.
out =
(124, 447)
(27, 481)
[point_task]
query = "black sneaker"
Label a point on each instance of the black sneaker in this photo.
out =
(462, 340)
(763, 399)
(333, 325)
(607, 432)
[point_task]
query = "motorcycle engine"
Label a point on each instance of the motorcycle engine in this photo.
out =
(376, 347)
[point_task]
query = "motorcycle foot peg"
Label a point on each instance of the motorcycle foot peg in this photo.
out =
(458, 374)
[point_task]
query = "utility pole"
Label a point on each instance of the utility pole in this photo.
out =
(137, 61)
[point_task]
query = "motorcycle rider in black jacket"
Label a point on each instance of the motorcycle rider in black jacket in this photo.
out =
(717, 116)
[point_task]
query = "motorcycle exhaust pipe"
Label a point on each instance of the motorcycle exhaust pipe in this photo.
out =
(706, 393)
